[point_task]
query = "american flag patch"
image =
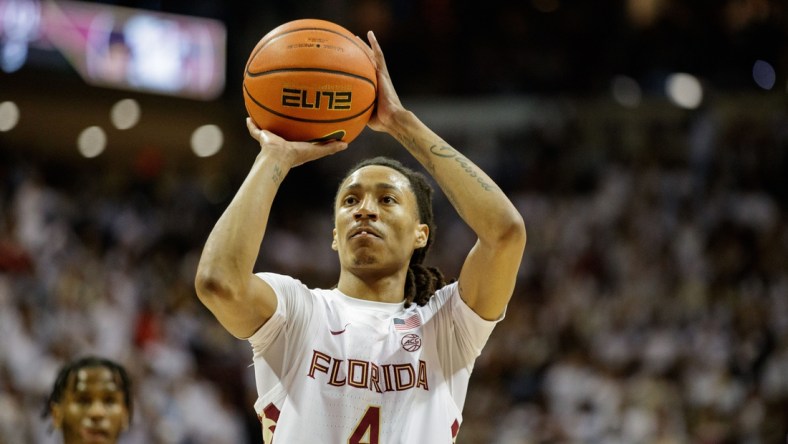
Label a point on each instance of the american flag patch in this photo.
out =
(408, 323)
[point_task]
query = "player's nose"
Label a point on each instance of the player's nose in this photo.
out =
(367, 209)
(97, 409)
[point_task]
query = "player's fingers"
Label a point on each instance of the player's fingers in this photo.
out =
(253, 129)
(312, 151)
(331, 147)
(264, 137)
(373, 41)
(365, 47)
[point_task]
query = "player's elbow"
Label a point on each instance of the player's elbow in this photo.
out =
(510, 231)
(212, 285)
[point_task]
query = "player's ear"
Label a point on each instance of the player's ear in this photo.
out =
(422, 235)
(334, 240)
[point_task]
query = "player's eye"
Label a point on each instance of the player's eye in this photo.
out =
(388, 199)
(351, 199)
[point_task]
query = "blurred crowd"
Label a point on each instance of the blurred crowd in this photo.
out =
(651, 307)
(653, 301)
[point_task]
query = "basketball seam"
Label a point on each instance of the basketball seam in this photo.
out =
(328, 71)
(301, 119)
(278, 36)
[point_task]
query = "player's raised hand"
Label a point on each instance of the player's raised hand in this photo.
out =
(294, 153)
(388, 102)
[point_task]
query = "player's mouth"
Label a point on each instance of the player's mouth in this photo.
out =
(363, 232)
(95, 435)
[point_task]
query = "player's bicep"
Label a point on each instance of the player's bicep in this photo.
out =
(243, 312)
(488, 276)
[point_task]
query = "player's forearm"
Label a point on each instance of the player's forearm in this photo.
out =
(475, 196)
(233, 245)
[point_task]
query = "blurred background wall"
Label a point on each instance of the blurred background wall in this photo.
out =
(644, 141)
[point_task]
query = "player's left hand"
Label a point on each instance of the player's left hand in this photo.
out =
(388, 102)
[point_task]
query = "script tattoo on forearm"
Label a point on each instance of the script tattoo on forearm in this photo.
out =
(413, 145)
(448, 152)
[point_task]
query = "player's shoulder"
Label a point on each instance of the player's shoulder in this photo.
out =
(441, 298)
(281, 280)
(290, 287)
(445, 293)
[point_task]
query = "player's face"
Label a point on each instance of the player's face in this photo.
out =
(93, 408)
(376, 221)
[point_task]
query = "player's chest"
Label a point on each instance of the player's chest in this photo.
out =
(375, 336)
(376, 358)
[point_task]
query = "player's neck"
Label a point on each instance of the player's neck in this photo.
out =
(386, 289)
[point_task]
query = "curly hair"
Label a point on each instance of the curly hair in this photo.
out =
(64, 379)
(422, 281)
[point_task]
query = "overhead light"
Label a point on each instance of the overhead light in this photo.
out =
(91, 141)
(764, 75)
(9, 116)
(125, 114)
(626, 91)
(684, 90)
(207, 140)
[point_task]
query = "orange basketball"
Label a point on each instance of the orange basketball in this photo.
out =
(310, 80)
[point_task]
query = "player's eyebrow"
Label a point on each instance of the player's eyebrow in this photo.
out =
(380, 185)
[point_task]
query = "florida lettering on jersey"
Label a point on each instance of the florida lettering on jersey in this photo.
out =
(368, 375)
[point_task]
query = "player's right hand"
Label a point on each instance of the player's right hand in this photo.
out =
(296, 153)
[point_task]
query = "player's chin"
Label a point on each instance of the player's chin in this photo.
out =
(365, 260)
(96, 436)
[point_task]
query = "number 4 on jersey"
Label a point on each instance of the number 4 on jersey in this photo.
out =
(368, 429)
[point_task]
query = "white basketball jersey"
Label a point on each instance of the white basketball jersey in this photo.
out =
(334, 369)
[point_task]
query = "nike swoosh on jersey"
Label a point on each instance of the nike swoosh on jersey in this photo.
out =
(339, 332)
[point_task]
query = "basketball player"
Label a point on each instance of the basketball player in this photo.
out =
(386, 355)
(90, 401)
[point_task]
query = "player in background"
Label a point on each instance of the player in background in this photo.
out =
(386, 355)
(91, 401)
